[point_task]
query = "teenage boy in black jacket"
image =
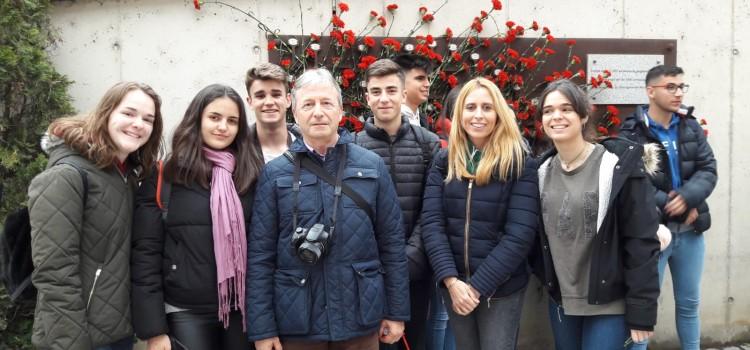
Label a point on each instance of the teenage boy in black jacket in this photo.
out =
(407, 150)
(687, 178)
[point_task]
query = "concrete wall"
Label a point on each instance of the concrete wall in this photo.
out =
(179, 50)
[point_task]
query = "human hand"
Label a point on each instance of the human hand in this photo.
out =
(464, 300)
(159, 342)
(268, 344)
(391, 331)
(676, 205)
(665, 237)
(692, 216)
(640, 336)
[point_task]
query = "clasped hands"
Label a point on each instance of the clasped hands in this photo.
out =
(464, 297)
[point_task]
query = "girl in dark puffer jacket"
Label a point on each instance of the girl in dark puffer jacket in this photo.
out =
(188, 267)
(480, 217)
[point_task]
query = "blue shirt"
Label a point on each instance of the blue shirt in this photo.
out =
(668, 139)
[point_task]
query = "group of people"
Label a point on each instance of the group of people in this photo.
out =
(305, 236)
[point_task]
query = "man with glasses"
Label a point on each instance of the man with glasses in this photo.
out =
(687, 177)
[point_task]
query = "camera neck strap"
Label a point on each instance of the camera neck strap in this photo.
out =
(302, 160)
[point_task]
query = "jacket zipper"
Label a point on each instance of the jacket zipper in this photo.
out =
(93, 287)
(467, 223)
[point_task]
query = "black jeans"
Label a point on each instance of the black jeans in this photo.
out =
(192, 330)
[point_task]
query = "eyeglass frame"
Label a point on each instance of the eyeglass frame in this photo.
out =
(683, 87)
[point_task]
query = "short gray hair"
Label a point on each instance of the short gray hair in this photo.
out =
(316, 76)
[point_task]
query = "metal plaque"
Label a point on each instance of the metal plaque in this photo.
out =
(628, 77)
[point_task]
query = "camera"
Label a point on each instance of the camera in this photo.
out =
(310, 243)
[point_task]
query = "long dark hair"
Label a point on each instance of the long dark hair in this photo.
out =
(187, 165)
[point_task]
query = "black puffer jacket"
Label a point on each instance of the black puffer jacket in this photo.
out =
(174, 264)
(408, 157)
(625, 251)
(697, 165)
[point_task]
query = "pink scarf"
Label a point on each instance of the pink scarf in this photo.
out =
(230, 242)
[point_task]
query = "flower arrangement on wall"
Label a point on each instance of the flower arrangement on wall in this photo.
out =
(520, 59)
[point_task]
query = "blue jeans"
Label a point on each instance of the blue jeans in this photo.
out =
(685, 257)
(587, 332)
(493, 325)
(122, 344)
(439, 335)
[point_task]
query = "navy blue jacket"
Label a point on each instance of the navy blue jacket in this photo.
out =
(697, 166)
(503, 218)
(362, 280)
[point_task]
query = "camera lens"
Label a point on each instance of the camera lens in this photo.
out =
(308, 255)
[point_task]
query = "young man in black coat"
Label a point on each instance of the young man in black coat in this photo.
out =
(407, 150)
(687, 178)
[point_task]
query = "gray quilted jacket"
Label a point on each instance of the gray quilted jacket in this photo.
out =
(81, 254)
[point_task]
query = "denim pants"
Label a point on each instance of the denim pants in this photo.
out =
(587, 332)
(685, 258)
(493, 325)
(122, 344)
(439, 335)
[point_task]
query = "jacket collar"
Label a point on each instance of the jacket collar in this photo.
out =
(378, 133)
(298, 146)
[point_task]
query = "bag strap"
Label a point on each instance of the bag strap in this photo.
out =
(316, 169)
(163, 189)
(426, 151)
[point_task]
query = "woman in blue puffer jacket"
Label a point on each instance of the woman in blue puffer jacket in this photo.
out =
(480, 217)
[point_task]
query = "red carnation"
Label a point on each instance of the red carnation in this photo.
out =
(343, 7)
(496, 5)
(607, 73)
(594, 82)
(550, 38)
(545, 30)
(582, 74)
(456, 56)
(602, 131)
(608, 83)
(452, 81)
(614, 120)
(373, 14)
(535, 25)
(314, 37)
(429, 39)
(422, 9)
(483, 14)
(473, 41)
(575, 59)
(393, 44)
(448, 33)
(355, 104)
(613, 110)
(549, 51)
(510, 24)
(392, 7)
(522, 116)
(427, 18)
(286, 63)
(486, 42)
(477, 25)
(369, 41)
(272, 45)
(567, 74)
(310, 52)
(381, 21)
(513, 53)
(366, 61)
(570, 42)
(348, 74)
(337, 22)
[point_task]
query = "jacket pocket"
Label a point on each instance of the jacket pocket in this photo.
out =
(364, 182)
(292, 301)
(371, 292)
(308, 198)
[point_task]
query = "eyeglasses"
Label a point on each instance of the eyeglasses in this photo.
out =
(672, 88)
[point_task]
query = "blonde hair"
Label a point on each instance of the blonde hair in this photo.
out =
(504, 152)
(89, 135)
